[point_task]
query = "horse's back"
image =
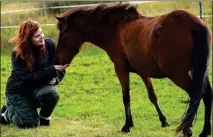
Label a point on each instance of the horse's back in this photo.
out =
(172, 39)
(157, 45)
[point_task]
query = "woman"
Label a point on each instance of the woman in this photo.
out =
(33, 78)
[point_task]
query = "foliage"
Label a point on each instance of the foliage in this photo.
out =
(65, 3)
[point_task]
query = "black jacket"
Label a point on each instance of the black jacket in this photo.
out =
(23, 81)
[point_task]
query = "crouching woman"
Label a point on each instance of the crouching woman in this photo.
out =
(33, 78)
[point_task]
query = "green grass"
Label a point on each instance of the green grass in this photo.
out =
(90, 95)
(91, 102)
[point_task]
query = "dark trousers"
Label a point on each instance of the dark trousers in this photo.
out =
(22, 110)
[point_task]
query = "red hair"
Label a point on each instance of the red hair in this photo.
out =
(23, 44)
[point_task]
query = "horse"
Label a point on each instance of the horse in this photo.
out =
(175, 45)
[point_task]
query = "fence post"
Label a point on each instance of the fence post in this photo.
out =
(45, 8)
(200, 5)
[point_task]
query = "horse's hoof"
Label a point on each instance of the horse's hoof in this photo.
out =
(188, 134)
(206, 131)
(165, 124)
(204, 134)
(125, 129)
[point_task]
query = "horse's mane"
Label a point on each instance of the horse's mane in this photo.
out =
(102, 11)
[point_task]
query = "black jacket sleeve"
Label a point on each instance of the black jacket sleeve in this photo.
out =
(52, 52)
(59, 77)
(21, 70)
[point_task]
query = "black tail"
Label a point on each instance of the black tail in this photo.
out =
(200, 63)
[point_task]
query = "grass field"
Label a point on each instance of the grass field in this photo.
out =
(91, 104)
(90, 95)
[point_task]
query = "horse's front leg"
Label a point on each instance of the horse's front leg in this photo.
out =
(123, 76)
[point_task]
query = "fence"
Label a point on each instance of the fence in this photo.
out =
(45, 8)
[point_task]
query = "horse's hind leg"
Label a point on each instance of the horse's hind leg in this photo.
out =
(207, 99)
(154, 100)
(181, 78)
(123, 76)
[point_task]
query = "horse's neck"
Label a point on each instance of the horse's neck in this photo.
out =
(100, 36)
(104, 30)
(108, 39)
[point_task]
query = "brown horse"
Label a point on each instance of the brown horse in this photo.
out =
(171, 45)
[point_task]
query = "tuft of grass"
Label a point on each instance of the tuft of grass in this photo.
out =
(18, 5)
(152, 9)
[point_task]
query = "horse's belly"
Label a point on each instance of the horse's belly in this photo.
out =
(144, 64)
(148, 70)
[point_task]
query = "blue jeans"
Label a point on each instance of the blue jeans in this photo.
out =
(22, 110)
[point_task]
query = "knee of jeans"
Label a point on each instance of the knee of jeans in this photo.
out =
(50, 97)
(47, 91)
(29, 125)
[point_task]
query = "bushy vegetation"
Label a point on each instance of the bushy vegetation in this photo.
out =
(148, 9)
(65, 3)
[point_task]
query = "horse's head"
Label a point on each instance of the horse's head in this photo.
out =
(96, 24)
(69, 41)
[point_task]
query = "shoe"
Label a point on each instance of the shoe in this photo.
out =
(3, 109)
(44, 122)
(3, 120)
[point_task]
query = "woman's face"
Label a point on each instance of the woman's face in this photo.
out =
(38, 38)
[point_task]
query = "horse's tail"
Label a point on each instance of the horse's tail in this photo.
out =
(200, 63)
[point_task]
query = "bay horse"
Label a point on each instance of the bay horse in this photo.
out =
(171, 45)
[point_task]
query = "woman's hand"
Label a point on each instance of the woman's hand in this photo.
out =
(60, 67)
(65, 66)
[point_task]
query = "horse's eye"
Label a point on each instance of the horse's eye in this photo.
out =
(62, 31)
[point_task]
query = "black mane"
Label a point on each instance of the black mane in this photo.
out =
(101, 11)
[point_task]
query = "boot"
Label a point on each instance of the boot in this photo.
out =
(44, 122)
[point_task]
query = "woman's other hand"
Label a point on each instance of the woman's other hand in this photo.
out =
(53, 81)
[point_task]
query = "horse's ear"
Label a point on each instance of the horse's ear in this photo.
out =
(59, 18)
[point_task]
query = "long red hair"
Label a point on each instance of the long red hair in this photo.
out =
(23, 44)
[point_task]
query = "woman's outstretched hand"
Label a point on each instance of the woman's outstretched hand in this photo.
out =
(58, 68)
(53, 81)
